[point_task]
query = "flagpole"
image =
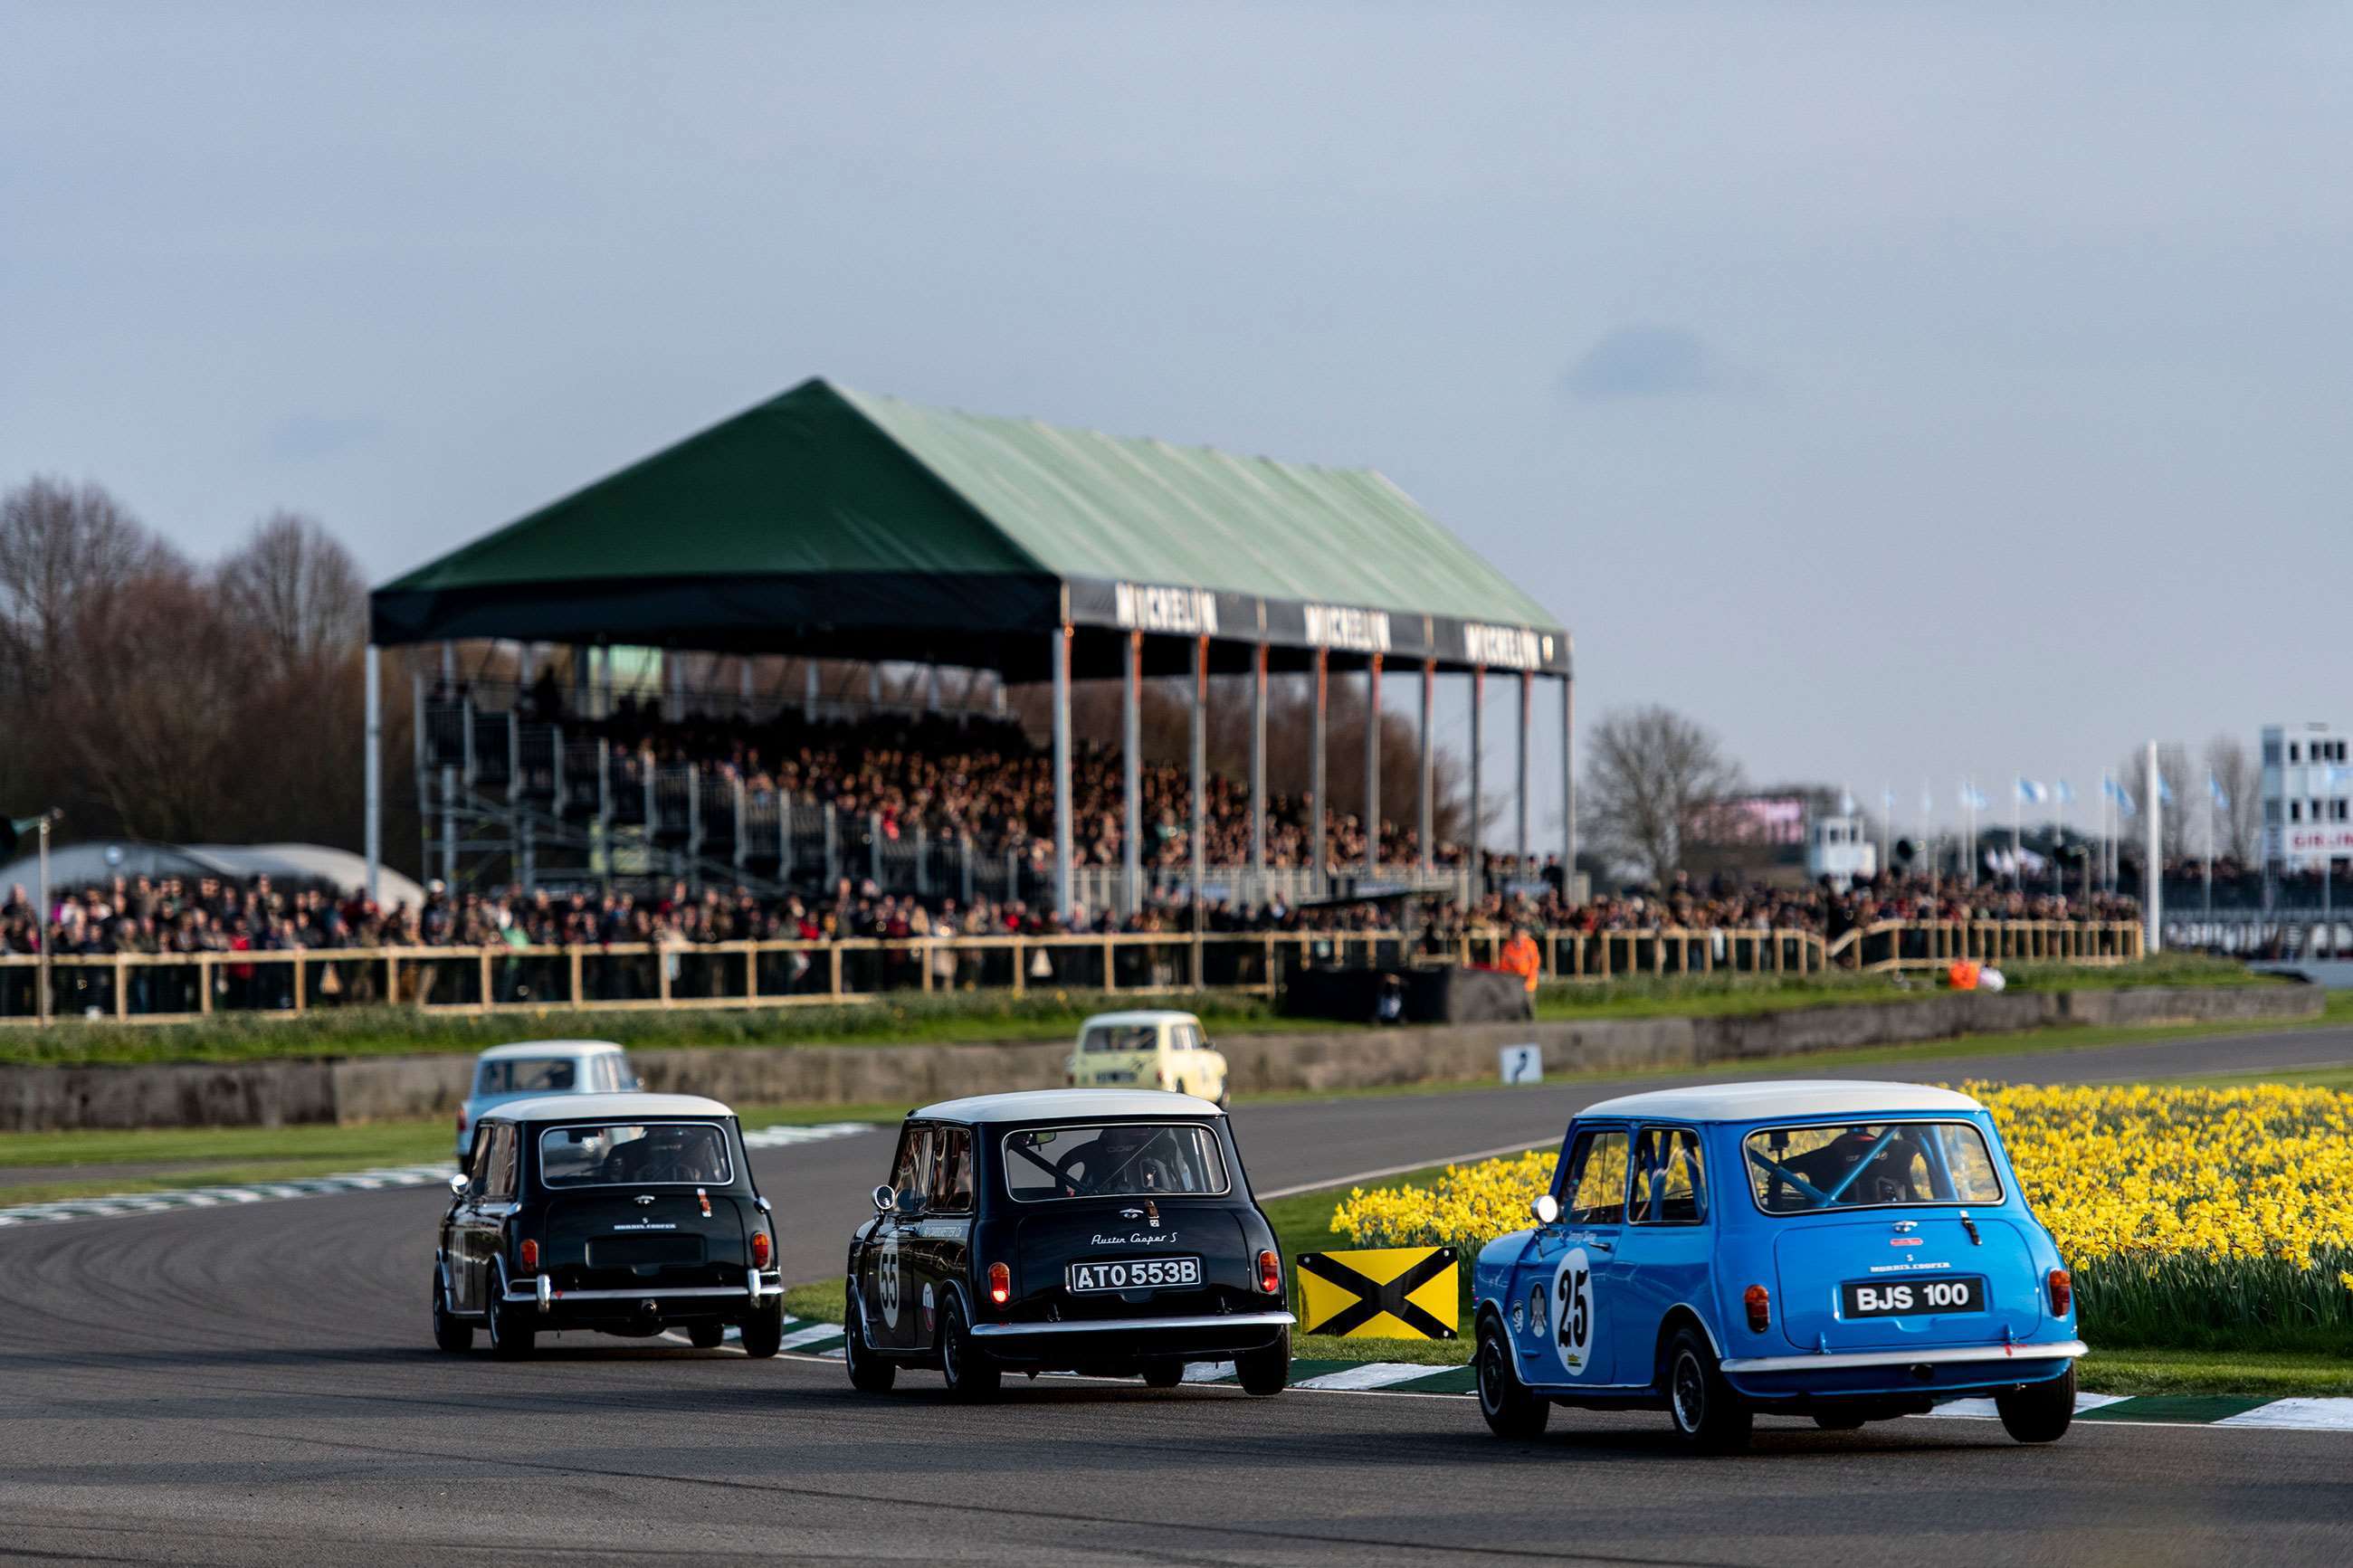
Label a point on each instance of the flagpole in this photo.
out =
(2017, 837)
(2210, 856)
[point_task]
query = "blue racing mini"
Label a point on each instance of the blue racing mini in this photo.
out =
(1843, 1251)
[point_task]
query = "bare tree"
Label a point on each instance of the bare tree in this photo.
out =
(2238, 828)
(60, 545)
(1654, 776)
(296, 588)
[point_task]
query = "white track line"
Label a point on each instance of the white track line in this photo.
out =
(1388, 1171)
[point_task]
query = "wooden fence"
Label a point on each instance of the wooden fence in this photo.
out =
(176, 987)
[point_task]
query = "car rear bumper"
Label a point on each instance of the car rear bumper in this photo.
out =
(678, 1300)
(1203, 1337)
(1927, 1374)
(1841, 1361)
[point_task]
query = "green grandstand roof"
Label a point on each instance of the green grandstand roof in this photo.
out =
(823, 510)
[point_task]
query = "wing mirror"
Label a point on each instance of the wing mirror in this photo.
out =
(458, 1184)
(885, 1200)
(1545, 1208)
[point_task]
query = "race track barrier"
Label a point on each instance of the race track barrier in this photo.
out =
(502, 977)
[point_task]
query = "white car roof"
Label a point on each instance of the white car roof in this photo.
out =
(1141, 1015)
(1054, 1104)
(549, 1048)
(1784, 1097)
(606, 1107)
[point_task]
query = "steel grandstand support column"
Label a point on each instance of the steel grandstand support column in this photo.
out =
(1131, 701)
(1425, 810)
(1257, 773)
(374, 676)
(1373, 767)
(1199, 835)
(809, 692)
(1567, 784)
(1059, 650)
(1520, 793)
(1478, 841)
(1315, 876)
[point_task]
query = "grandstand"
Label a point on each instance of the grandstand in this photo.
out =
(827, 527)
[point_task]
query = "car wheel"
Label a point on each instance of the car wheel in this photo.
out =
(763, 1331)
(452, 1333)
(1162, 1373)
(2040, 1412)
(1267, 1370)
(971, 1375)
(707, 1336)
(868, 1374)
(1709, 1417)
(1511, 1411)
(511, 1338)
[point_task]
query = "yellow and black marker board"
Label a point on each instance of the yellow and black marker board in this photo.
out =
(1380, 1293)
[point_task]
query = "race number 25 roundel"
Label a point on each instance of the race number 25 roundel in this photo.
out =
(1572, 1312)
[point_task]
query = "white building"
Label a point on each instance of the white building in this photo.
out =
(1839, 846)
(2307, 795)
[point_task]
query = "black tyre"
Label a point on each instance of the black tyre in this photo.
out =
(2040, 1412)
(512, 1333)
(763, 1331)
(972, 1375)
(868, 1372)
(453, 1334)
(1510, 1409)
(707, 1336)
(1267, 1370)
(1162, 1373)
(1708, 1416)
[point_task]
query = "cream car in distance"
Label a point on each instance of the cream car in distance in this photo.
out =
(1157, 1048)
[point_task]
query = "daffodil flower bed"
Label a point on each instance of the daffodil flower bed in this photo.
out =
(2196, 1217)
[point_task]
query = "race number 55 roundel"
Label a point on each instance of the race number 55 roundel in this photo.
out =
(1573, 1323)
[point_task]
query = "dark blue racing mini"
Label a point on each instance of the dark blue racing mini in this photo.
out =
(1845, 1251)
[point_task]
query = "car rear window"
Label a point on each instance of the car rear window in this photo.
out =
(527, 1075)
(1121, 1037)
(1869, 1165)
(1124, 1159)
(634, 1154)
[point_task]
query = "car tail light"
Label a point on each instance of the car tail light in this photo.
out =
(531, 1258)
(2063, 1292)
(1269, 1274)
(761, 1250)
(1759, 1302)
(461, 1121)
(1001, 1283)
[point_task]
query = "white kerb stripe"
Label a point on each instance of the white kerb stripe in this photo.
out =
(1984, 1410)
(1372, 1375)
(2297, 1415)
(810, 1335)
(1209, 1371)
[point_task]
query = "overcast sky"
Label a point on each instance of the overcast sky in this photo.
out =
(1904, 391)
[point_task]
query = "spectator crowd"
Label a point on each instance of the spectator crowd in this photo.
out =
(970, 774)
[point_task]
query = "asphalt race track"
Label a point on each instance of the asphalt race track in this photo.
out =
(257, 1384)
